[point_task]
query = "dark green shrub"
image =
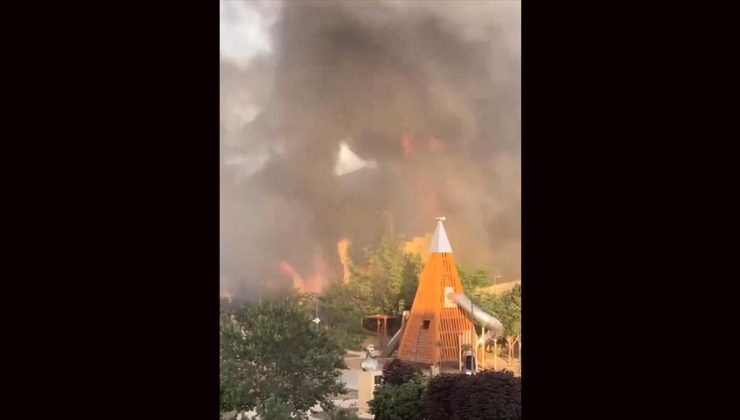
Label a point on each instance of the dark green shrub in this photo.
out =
(485, 396)
(402, 402)
(397, 372)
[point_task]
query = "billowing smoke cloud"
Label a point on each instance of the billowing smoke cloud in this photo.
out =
(422, 97)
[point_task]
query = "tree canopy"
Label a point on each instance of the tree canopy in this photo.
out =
(271, 353)
(340, 315)
(389, 276)
(471, 282)
(507, 308)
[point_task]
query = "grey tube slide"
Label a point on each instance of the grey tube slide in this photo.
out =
(479, 315)
(493, 325)
(391, 346)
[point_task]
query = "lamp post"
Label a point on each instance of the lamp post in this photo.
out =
(472, 322)
(482, 342)
(472, 319)
(316, 301)
(495, 338)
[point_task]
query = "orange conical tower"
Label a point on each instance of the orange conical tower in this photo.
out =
(434, 318)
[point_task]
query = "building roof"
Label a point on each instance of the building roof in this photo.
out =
(440, 243)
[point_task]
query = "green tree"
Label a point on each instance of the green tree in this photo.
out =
(507, 308)
(410, 279)
(272, 356)
(391, 275)
(340, 315)
(473, 281)
(512, 302)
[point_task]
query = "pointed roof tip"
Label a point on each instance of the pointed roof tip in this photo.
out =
(440, 243)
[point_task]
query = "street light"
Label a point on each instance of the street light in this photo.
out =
(262, 290)
(316, 320)
(472, 320)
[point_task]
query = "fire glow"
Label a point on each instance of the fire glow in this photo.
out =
(409, 145)
(313, 283)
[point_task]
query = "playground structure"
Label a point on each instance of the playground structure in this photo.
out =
(440, 326)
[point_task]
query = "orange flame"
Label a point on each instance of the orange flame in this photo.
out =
(343, 251)
(418, 245)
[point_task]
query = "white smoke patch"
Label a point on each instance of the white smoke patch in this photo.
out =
(245, 164)
(245, 29)
(348, 161)
(236, 116)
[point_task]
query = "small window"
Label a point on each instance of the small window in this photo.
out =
(469, 363)
(425, 325)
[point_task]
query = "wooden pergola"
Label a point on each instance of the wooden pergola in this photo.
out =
(382, 325)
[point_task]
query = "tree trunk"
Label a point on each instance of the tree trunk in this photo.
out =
(495, 356)
(520, 349)
(510, 345)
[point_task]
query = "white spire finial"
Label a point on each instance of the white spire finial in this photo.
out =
(440, 243)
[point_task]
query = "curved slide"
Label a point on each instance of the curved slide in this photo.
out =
(478, 315)
(493, 325)
(391, 346)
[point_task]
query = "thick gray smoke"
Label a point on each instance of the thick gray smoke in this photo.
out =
(427, 94)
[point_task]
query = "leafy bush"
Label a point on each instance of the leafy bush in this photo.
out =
(402, 402)
(436, 400)
(487, 395)
(397, 372)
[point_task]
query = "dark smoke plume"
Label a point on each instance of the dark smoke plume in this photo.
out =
(427, 91)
